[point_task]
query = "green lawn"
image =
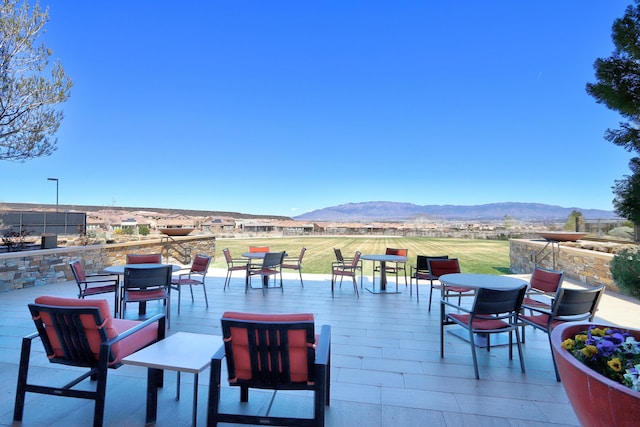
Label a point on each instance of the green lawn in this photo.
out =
(476, 256)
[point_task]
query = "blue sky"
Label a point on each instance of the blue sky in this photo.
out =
(284, 107)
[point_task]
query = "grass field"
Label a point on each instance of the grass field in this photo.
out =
(475, 256)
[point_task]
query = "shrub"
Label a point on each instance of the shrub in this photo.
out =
(143, 230)
(625, 270)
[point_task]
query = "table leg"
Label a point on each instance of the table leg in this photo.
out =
(154, 379)
(195, 399)
(383, 276)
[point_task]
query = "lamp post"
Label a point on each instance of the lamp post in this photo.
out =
(56, 180)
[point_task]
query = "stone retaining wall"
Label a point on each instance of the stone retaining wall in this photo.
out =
(587, 266)
(34, 268)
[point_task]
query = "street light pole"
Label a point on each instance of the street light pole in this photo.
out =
(56, 180)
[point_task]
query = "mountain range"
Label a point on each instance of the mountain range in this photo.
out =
(395, 211)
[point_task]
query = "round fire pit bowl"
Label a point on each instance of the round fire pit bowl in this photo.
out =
(176, 231)
(562, 236)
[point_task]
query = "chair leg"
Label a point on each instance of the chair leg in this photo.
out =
(204, 289)
(179, 292)
(23, 371)
(214, 393)
(473, 353)
(301, 282)
(520, 356)
(355, 284)
(553, 359)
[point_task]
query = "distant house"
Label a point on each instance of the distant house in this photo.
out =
(218, 225)
(296, 228)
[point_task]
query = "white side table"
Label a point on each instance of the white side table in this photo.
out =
(180, 352)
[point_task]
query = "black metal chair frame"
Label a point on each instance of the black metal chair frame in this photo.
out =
(488, 305)
(68, 326)
(392, 267)
(270, 370)
(570, 305)
(347, 261)
(420, 271)
(295, 263)
(87, 287)
(146, 280)
(341, 268)
(271, 266)
(233, 264)
(195, 276)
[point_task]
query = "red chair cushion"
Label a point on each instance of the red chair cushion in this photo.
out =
(482, 324)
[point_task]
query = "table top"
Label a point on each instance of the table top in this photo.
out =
(119, 269)
(182, 351)
(386, 258)
(256, 255)
(488, 281)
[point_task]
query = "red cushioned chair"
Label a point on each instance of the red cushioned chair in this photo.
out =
(144, 258)
(493, 311)
(271, 266)
(300, 361)
(544, 286)
(82, 333)
(95, 284)
(439, 267)
(570, 305)
(295, 263)
(233, 264)
(394, 267)
(194, 277)
(420, 271)
(342, 269)
(143, 284)
(543, 283)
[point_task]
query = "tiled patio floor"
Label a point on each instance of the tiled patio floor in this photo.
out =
(386, 366)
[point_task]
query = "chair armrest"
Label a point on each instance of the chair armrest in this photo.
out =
(88, 276)
(90, 279)
(323, 350)
(157, 318)
(31, 336)
(219, 354)
(537, 309)
(456, 306)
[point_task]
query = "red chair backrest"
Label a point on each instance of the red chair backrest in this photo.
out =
(60, 343)
(546, 280)
(439, 267)
(200, 264)
(399, 252)
(78, 271)
(253, 249)
(144, 259)
(250, 354)
(356, 259)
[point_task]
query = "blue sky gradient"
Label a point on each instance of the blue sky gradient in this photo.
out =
(284, 107)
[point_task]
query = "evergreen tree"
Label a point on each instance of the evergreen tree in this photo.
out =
(618, 87)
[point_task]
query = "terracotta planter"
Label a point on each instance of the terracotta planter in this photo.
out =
(596, 400)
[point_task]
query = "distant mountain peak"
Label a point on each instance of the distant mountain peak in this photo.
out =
(398, 211)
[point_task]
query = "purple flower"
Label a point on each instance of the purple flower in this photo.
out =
(606, 348)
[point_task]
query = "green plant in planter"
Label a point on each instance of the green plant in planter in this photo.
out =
(625, 270)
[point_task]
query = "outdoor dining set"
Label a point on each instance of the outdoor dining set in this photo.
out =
(485, 310)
